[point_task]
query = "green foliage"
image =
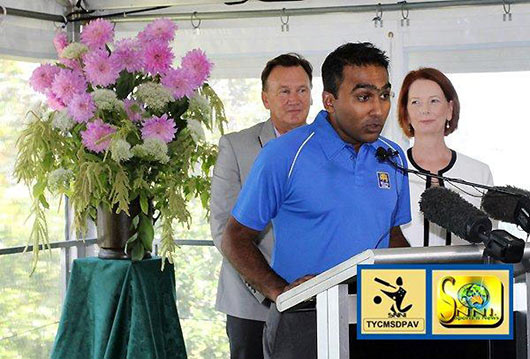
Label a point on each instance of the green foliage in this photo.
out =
(218, 117)
(167, 243)
(37, 146)
(146, 231)
(125, 84)
(120, 190)
(39, 230)
(90, 189)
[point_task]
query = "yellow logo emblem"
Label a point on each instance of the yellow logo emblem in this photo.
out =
(383, 180)
(393, 302)
(465, 301)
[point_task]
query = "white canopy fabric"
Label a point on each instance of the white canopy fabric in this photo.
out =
(28, 38)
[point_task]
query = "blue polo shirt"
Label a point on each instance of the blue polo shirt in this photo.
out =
(327, 202)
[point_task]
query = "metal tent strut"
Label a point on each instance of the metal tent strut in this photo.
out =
(127, 16)
(242, 14)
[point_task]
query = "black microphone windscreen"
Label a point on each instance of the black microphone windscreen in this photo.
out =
(447, 209)
(381, 154)
(502, 206)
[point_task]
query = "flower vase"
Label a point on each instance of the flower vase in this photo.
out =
(114, 229)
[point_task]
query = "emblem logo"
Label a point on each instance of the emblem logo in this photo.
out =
(470, 301)
(393, 303)
(383, 179)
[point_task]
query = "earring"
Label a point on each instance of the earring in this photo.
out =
(447, 124)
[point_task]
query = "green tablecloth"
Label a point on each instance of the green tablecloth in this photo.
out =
(118, 309)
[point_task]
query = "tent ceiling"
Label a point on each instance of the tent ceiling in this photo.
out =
(218, 9)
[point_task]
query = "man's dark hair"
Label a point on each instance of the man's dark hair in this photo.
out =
(287, 60)
(350, 54)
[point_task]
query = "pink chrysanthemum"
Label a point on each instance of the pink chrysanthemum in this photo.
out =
(134, 116)
(128, 55)
(162, 128)
(179, 82)
(198, 65)
(97, 33)
(157, 57)
(67, 83)
(54, 101)
(159, 30)
(100, 69)
(60, 41)
(42, 77)
(96, 136)
(82, 107)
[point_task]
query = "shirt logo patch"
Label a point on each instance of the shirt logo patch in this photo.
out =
(383, 179)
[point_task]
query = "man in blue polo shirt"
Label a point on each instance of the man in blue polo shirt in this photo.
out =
(328, 196)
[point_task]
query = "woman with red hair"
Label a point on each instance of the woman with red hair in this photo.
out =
(428, 110)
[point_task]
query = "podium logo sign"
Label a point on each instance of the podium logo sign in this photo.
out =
(470, 301)
(434, 301)
(393, 302)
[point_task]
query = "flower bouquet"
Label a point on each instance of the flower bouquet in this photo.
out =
(121, 125)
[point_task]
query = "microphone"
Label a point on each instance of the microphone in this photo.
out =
(508, 204)
(383, 154)
(450, 211)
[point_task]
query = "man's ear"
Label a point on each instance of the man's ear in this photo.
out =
(265, 99)
(328, 101)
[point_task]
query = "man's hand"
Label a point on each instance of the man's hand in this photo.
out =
(298, 282)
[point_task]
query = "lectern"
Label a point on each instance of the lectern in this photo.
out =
(336, 309)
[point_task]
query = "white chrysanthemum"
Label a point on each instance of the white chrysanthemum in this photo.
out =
(120, 150)
(106, 100)
(74, 51)
(152, 149)
(196, 130)
(154, 95)
(62, 121)
(59, 179)
(200, 104)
